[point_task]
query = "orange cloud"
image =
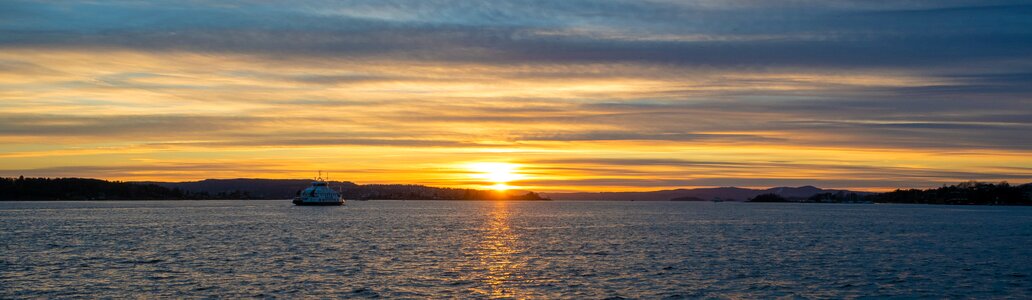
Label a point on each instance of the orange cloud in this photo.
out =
(133, 115)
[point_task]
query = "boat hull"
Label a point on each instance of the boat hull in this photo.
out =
(304, 203)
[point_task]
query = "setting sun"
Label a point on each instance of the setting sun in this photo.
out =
(500, 174)
(516, 149)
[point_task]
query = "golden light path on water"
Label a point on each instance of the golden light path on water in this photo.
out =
(499, 245)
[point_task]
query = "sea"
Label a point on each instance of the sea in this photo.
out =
(517, 250)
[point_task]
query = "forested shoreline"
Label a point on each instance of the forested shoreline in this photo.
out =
(23, 188)
(966, 193)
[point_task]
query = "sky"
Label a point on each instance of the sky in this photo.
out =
(543, 95)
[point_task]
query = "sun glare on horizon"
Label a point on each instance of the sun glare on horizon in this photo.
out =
(498, 173)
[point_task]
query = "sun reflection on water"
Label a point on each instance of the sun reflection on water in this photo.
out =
(497, 251)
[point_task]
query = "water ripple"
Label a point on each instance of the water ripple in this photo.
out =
(441, 249)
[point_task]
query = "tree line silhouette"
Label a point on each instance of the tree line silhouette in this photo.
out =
(966, 193)
(22, 188)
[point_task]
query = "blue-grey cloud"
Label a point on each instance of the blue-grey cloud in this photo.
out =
(38, 125)
(750, 34)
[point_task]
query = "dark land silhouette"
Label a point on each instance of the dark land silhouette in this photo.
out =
(768, 198)
(220, 189)
(967, 193)
(700, 194)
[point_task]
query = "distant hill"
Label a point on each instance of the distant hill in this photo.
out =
(244, 188)
(258, 188)
(720, 193)
(22, 188)
(967, 193)
(288, 188)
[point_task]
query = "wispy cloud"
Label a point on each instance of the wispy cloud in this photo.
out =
(615, 94)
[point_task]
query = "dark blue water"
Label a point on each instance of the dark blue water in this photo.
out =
(421, 249)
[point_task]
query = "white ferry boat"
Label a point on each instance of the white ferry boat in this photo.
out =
(319, 193)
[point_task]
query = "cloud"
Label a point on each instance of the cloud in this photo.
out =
(860, 171)
(669, 92)
(277, 141)
(665, 172)
(634, 135)
(118, 125)
(657, 183)
(124, 171)
(756, 35)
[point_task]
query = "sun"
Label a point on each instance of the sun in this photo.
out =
(498, 173)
